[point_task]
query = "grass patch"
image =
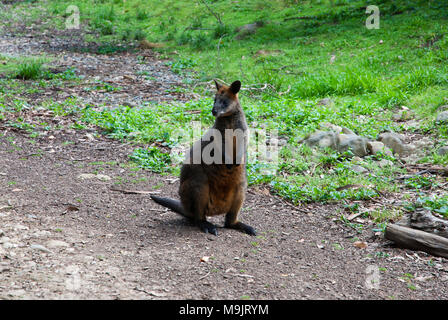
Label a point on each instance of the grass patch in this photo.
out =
(152, 159)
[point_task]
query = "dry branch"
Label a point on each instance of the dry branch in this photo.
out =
(134, 191)
(417, 240)
(424, 220)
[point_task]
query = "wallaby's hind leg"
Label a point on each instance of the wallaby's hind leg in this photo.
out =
(195, 202)
(232, 218)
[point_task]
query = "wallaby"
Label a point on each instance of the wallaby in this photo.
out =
(213, 177)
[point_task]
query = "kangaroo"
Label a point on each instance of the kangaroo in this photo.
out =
(213, 176)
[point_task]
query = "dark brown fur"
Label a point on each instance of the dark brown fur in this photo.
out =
(215, 189)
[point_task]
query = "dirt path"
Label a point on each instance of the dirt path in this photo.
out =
(68, 237)
(65, 234)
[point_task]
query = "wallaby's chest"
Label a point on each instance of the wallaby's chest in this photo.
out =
(224, 187)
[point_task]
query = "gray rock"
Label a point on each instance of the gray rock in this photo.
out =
(329, 125)
(325, 102)
(385, 163)
(357, 144)
(323, 139)
(347, 131)
(411, 159)
(39, 247)
(403, 115)
(424, 143)
(4, 239)
(442, 117)
(441, 152)
(86, 176)
(394, 141)
(103, 177)
(358, 169)
(9, 245)
(375, 147)
(56, 244)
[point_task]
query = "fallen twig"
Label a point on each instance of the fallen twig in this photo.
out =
(134, 191)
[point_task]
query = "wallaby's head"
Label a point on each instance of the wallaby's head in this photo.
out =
(226, 99)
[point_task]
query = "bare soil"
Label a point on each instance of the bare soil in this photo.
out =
(65, 235)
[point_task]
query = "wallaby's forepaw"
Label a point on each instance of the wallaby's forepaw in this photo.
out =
(208, 227)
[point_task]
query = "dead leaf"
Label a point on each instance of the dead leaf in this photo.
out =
(360, 244)
(70, 208)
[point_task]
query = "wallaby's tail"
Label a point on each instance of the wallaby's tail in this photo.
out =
(172, 204)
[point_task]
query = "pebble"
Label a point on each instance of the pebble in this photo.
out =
(442, 151)
(358, 169)
(39, 248)
(442, 117)
(385, 163)
(56, 244)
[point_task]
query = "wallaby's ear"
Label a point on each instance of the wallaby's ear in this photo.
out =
(218, 86)
(235, 86)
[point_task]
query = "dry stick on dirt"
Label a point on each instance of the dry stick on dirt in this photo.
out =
(417, 240)
(423, 219)
(134, 191)
(443, 171)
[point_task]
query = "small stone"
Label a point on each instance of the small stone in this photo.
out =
(357, 144)
(385, 163)
(41, 233)
(375, 147)
(347, 131)
(394, 141)
(4, 239)
(403, 115)
(103, 177)
(325, 102)
(323, 139)
(442, 117)
(9, 245)
(56, 244)
(331, 126)
(85, 176)
(441, 152)
(358, 169)
(39, 247)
